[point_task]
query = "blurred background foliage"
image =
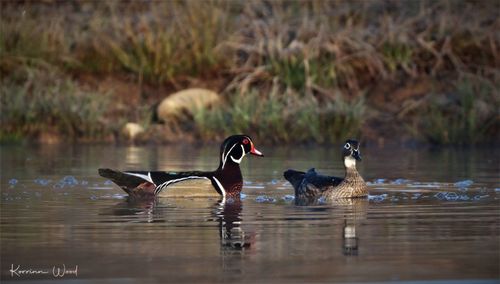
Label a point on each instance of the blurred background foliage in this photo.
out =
(288, 71)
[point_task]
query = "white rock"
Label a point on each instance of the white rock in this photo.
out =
(186, 101)
(132, 129)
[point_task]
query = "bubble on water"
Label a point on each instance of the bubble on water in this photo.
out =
(379, 181)
(440, 195)
(464, 197)
(464, 183)
(479, 197)
(260, 198)
(58, 185)
(451, 196)
(377, 198)
(108, 182)
(246, 182)
(13, 182)
(69, 180)
(274, 181)
(265, 199)
(400, 181)
(41, 181)
(119, 196)
(93, 197)
(84, 182)
(288, 197)
(242, 195)
(416, 195)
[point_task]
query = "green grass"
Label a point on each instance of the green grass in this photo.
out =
(177, 38)
(309, 66)
(35, 101)
(326, 43)
(466, 116)
(275, 118)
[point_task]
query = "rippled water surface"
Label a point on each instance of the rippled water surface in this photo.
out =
(431, 215)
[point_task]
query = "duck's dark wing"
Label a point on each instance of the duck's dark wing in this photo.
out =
(321, 181)
(155, 181)
(294, 177)
(310, 184)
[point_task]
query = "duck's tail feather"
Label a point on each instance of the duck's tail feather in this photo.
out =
(129, 183)
(294, 177)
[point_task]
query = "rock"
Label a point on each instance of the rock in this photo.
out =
(132, 129)
(50, 136)
(185, 102)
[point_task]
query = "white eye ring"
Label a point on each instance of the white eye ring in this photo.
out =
(347, 146)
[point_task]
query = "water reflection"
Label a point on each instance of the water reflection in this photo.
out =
(353, 211)
(232, 235)
(227, 214)
(356, 211)
(439, 210)
(136, 208)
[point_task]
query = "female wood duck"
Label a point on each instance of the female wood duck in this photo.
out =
(226, 179)
(311, 186)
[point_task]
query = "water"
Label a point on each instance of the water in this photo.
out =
(431, 215)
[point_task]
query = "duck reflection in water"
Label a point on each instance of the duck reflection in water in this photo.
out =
(353, 210)
(231, 234)
(226, 213)
(137, 208)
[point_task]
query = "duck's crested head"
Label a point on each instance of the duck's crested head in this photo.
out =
(235, 147)
(350, 151)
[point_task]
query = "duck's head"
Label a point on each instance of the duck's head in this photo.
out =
(351, 153)
(235, 147)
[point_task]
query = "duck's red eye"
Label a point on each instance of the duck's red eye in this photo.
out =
(245, 141)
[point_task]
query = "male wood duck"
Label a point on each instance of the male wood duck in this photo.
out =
(311, 186)
(226, 179)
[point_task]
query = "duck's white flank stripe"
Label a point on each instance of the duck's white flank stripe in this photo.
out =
(242, 155)
(144, 177)
(169, 182)
(222, 189)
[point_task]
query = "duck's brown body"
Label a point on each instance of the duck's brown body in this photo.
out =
(353, 185)
(310, 186)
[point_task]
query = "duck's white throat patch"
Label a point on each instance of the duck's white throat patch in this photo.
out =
(237, 161)
(349, 162)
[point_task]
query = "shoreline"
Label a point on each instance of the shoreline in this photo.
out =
(308, 72)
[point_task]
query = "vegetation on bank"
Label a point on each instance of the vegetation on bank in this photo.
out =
(308, 71)
(36, 100)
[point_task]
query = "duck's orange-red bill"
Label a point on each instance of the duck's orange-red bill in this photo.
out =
(256, 152)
